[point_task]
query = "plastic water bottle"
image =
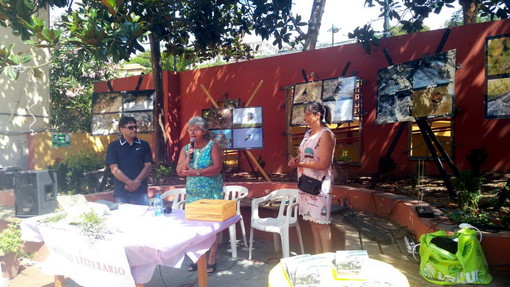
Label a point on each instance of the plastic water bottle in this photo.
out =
(158, 205)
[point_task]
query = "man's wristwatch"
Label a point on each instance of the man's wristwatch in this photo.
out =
(197, 172)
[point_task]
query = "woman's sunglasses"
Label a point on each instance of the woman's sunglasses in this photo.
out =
(131, 127)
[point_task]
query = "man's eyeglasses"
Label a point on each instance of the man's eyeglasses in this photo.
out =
(131, 127)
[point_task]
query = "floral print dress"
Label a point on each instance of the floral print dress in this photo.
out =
(203, 187)
(315, 208)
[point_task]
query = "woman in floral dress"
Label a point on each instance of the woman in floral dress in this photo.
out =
(201, 165)
(314, 160)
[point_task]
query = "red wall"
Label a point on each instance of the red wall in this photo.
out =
(471, 130)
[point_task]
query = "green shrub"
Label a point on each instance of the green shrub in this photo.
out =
(468, 186)
(160, 170)
(10, 239)
(71, 172)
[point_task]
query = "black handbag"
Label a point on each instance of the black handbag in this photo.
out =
(310, 185)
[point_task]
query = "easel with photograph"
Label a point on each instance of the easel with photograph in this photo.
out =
(247, 152)
(428, 136)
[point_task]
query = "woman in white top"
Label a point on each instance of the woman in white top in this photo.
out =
(314, 160)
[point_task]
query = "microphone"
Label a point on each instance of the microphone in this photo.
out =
(191, 145)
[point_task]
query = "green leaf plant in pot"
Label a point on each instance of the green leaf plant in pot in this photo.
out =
(11, 249)
(341, 164)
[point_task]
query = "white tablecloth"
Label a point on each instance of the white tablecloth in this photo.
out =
(148, 240)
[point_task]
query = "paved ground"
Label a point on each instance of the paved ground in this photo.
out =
(254, 273)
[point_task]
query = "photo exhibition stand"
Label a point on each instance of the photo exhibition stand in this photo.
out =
(428, 136)
(248, 152)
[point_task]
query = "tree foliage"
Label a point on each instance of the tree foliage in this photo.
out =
(113, 30)
(72, 75)
(411, 13)
(168, 62)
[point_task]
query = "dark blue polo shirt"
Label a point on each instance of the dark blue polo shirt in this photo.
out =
(131, 160)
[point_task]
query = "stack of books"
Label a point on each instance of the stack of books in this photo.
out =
(326, 269)
(349, 264)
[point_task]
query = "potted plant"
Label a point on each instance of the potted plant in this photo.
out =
(341, 163)
(11, 247)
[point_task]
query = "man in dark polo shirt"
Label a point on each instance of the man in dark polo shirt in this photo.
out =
(130, 160)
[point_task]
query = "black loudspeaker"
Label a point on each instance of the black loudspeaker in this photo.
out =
(35, 192)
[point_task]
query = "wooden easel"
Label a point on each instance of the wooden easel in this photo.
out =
(248, 152)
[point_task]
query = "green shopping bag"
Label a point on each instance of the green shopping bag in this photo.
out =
(453, 259)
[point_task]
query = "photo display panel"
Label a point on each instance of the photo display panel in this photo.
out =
(109, 107)
(497, 75)
(422, 88)
(336, 93)
(237, 128)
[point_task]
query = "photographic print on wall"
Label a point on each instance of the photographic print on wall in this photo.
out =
(307, 92)
(297, 115)
(423, 88)
(338, 89)
(134, 101)
(105, 124)
(222, 137)
(341, 111)
(497, 96)
(106, 103)
(108, 107)
(249, 138)
(247, 117)
(218, 118)
(338, 95)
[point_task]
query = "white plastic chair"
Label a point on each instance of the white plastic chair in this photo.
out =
(287, 217)
(236, 192)
(178, 200)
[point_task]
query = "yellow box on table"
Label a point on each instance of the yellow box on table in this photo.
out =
(210, 210)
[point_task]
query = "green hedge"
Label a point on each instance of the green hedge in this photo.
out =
(73, 171)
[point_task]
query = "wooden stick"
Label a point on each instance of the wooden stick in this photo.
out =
(254, 93)
(209, 96)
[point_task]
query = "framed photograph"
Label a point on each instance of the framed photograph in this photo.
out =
(394, 108)
(139, 100)
(497, 98)
(422, 88)
(222, 137)
(105, 124)
(498, 55)
(433, 102)
(307, 92)
(434, 70)
(218, 119)
(341, 111)
(144, 121)
(249, 138)
(106, 103)
(297, 116)
(228, 103)
(394, 79)
(338, 89)
(497, 74)
(247, 117)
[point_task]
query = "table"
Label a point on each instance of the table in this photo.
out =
(379, 274)
(147, 240)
